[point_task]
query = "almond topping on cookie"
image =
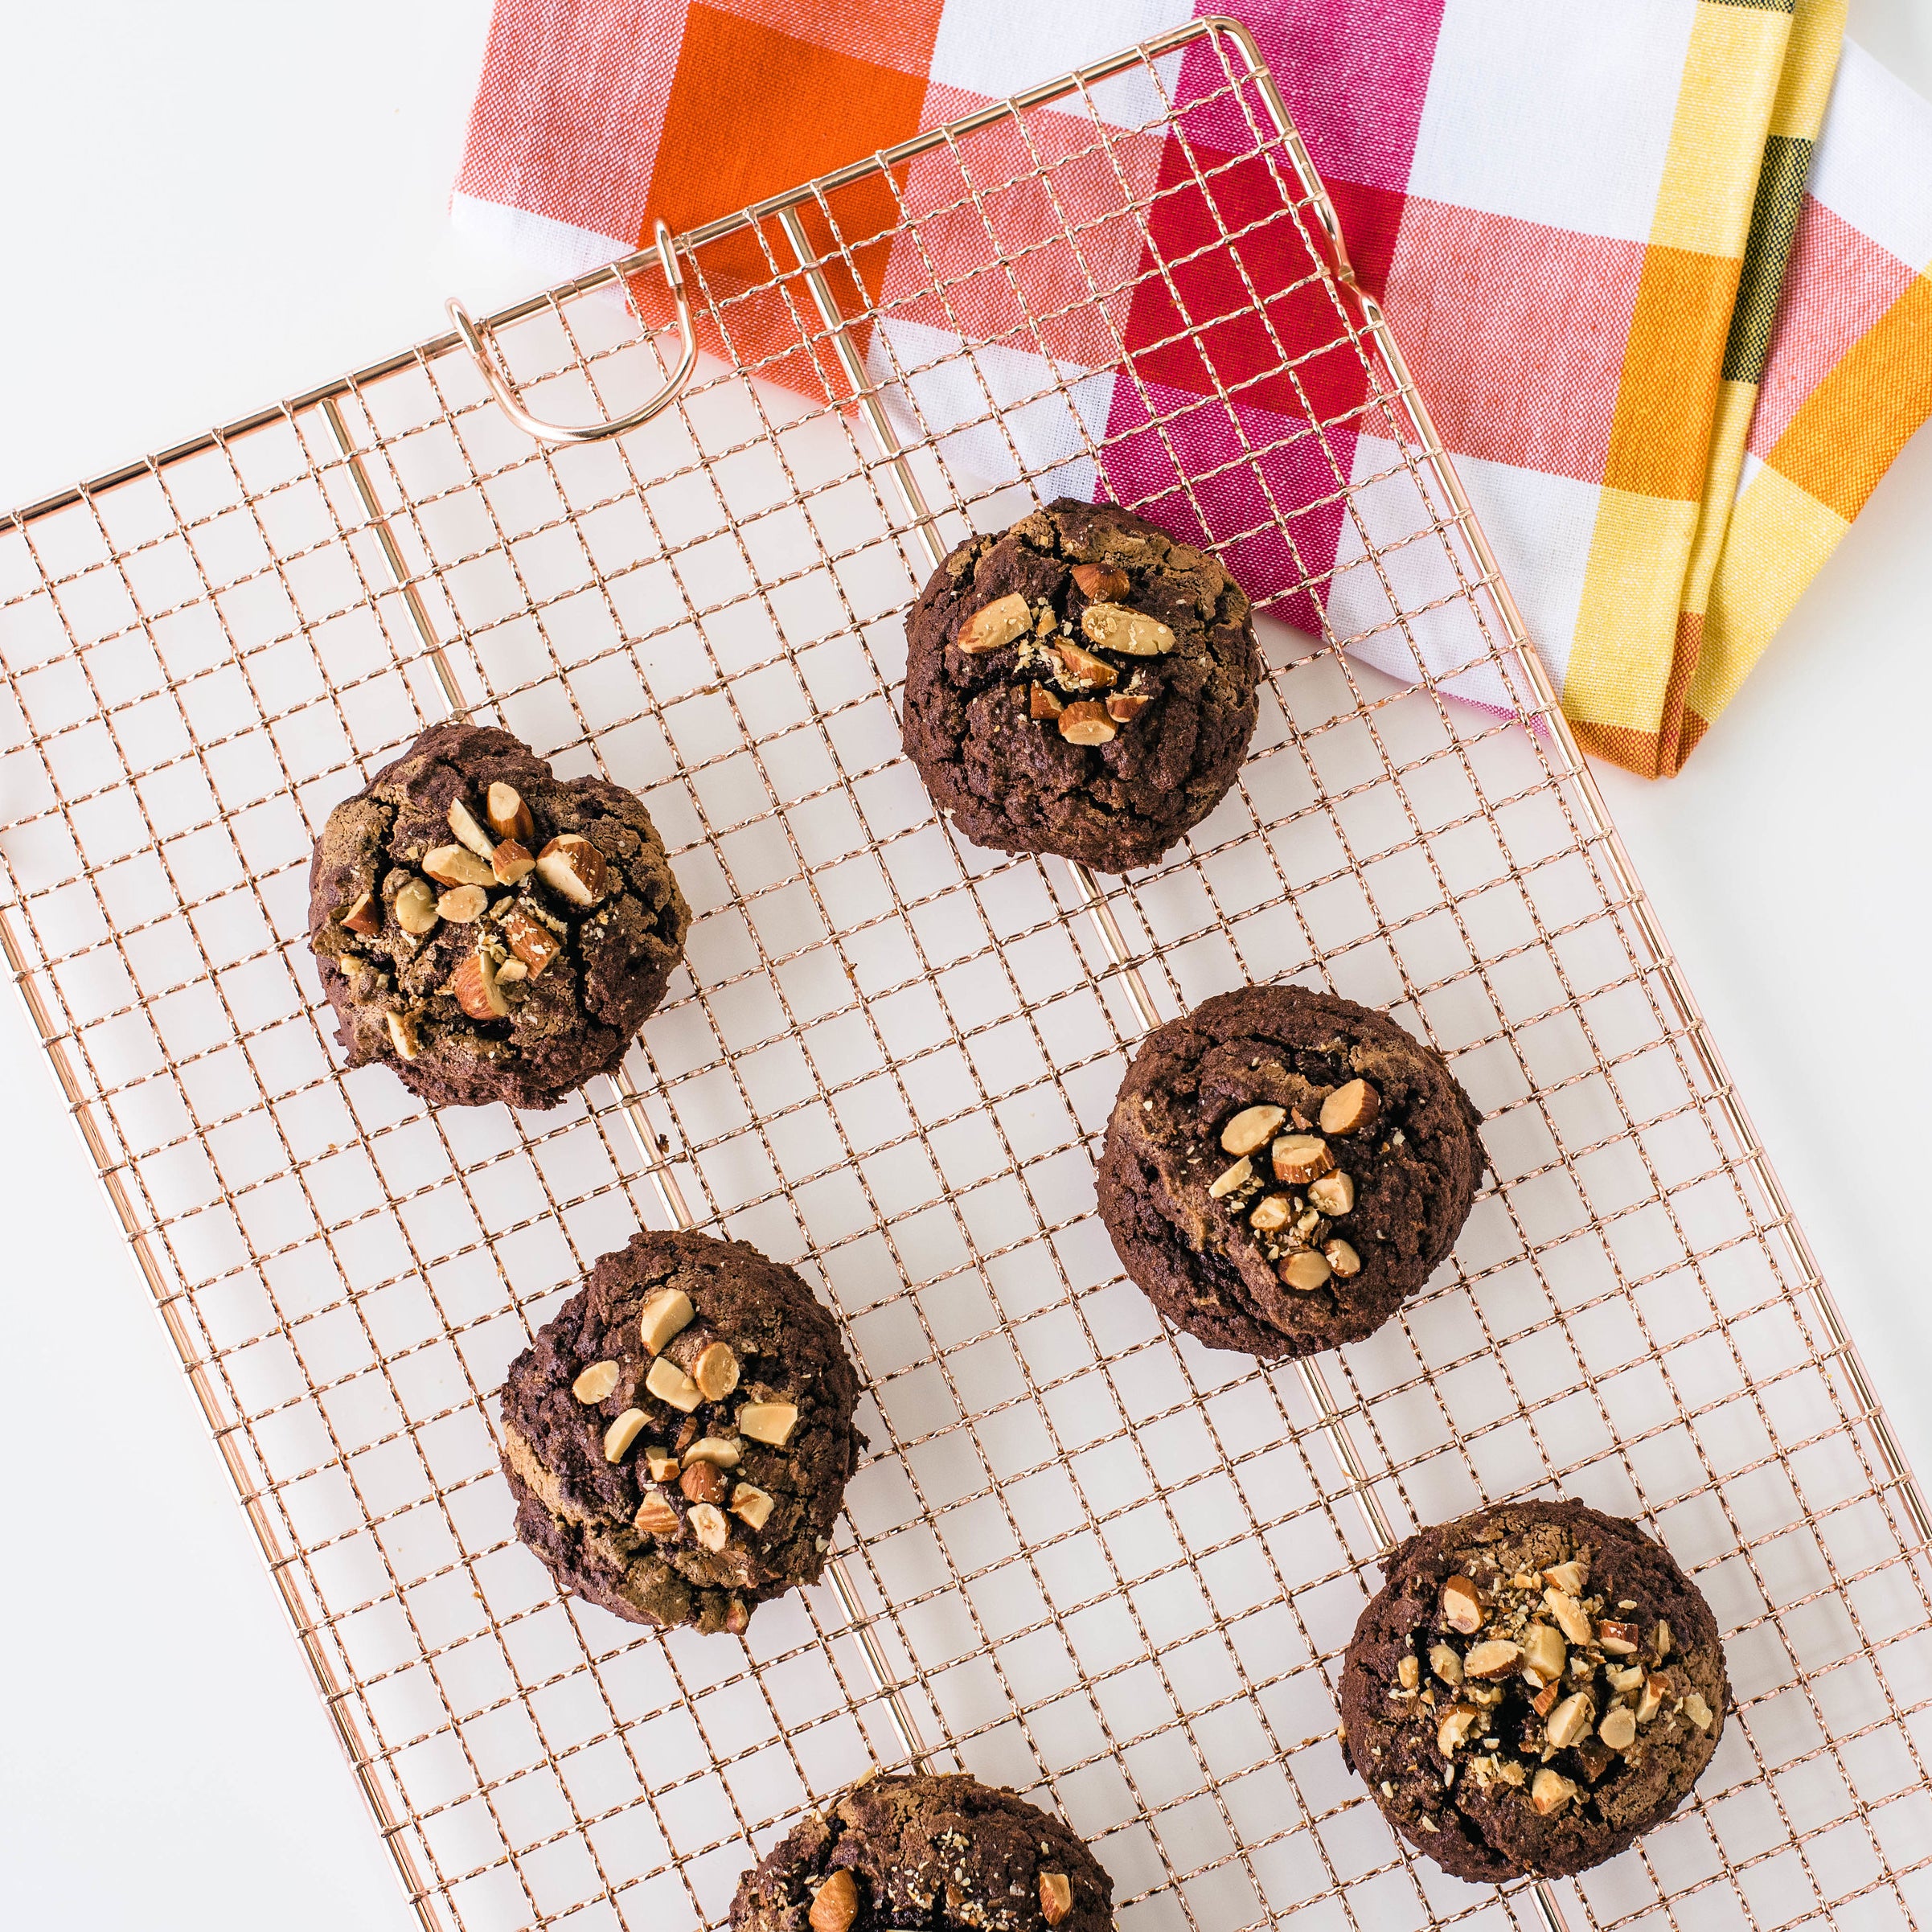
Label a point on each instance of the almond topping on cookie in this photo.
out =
(835, 1905)
(713, 1449)
(1549, 1792)
(402, 1034)
(1571, 1618)
(750, 1505)
(702, 1482)
(1301, 1158)
(462, 822)
(1350, 1108)
(1042, 704)
(1343, 1258)
(362, 915)
(508, 815)
(1569, 1720)
(715, 1372)
(1273, 1213)
(622, 1433)
(452, 865)
(1102, 583)
(416, 907)
(1495, 1657)
(573, 868)
(668, 1313)
(1462, 1606)
(463, 904)
(707, 1524)
(511, 864)
(1086, 722)
(1305, 1271)
(995, 625)
(771, 1422)
(1128, 706)
(1082, 666)
(596, 1382)
(1056, 1896)
(669, 1384)
(1618, 1729)
(1251, 1128)
(1132, 632)
(1543, 1652)
(655, 1517)
(1333, 1194)
(1230, 1178)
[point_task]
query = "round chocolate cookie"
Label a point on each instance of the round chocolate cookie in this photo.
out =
(939, 1853)
(1534, 1686)
(1283, 1167)
(679, 1437)
(1082, 685)
(492, 932)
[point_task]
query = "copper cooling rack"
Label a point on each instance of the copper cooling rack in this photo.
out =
(1111, 1570)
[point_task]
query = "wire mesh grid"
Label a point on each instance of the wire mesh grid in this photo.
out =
(1110, 1570)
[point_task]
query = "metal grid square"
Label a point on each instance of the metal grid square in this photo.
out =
(1107, 1568)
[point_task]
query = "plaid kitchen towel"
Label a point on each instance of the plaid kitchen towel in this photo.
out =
(1660, 266)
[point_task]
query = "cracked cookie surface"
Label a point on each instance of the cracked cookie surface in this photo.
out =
(1534, 1686)
(484, 964)
(1080, 684)
(679, 1435)
(1282, 1168)
(937, 1852)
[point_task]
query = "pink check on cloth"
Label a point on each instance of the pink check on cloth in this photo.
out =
(1659, 267)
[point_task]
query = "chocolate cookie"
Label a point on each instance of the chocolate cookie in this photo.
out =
(935, 1852)
(1283, 1167)
(490, 931)
(1082, 685)
(1534, 1686)
(679, 1437)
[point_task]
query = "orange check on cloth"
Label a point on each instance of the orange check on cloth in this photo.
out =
(1659, 266)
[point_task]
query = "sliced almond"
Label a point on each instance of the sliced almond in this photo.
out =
(669, 1384)
(474, 983)
(1251, 1128)
(1086, 722)
(713, 1449)
(1618, 1729)
(1408, 1673)
(1629, 1679)
(1618, 1640)
(1042, 704)
(1655, 1691)
(1272, 1213)
(663, 1464)
(1445, 1662)
(1230, 1179)
(1544, 1651)
(1055, 1888)
(771, 1422)
(362, 915)
(655, 1516)
(511, 864)
(508, 815)
(453, 865)
(402, 1034)
(1571, 1619)
(1570, 1719)
(416, 907)
(702, 1482)
(750, 1505)
(1661, 1639)
(622, 1433)
(596, 1382)
(1566, 1576)
(1132, 632)
(1127, 705)
(463, 904)
(462, 822)
(1452, 1731)
(1333, 1194)
(1342, 1258)
(1301, 1158)
(1545, 1700)
(510, 971)
(573, 868)
(1350, 1108)
(836, 1904)
(707, 1524)
(995, 625)
(527, 937)
(1103, 583)
(1549, 1791)
(1304, 1271)
(1082, 666)
(715, 1372)
(668, 1313)
(1495, 1657)
(1697, 1710)
(1462, 1606)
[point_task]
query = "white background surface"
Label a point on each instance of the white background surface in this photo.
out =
(209, 205)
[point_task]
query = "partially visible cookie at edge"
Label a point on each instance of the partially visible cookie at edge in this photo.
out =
(1082, 683)
(679, 1435)
(1533, 1686)
(947, 1853)
(490, 931)
(1283, 1168)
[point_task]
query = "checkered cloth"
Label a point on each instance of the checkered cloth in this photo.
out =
(1658, 265)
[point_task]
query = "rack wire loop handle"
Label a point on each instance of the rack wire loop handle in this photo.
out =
(542, 431)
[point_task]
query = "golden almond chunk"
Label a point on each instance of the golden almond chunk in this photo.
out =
(713, 1449)
(508, 815)
(1102, 583)
(1272, 1213)
(1305, 1271)
(1350, 1108)
(1132, 632)
(1301, 1158)
(362, 915)
(622, 1433)
(1656, 1690)
(402, 1034)
(1617, 1639)
(836, 1904)
(1342, 1258)
(533, 942)
(668, 1313)
(1125, 706)
(1408, 1673)
(715, 1372)
(463, 904)
(1086, 722)
(995, 625)
(511, 864)
(1452, 1731)
(1618, 1729)
(1549, 1792)
(702, 1482)
(573, 868)
(462, 822)
(1230, 1179)
(655, 1517)
(416, 907)
(1251, 1128)
(1082, 666)
(1333, 1194)
(1571, 1619)
(750, 1505)
(707, 1524)
(473, 983)
(771, 1422)
(1495, 1657)
(1570, 1719)
(596, 1382)
(669, 1384)
(1566, 1576)
(1697, 1710)
(1042, 704)
(661, 1464)
(453, 865)
(1056, 1896)
(1446, 1663)
(1544, 1651)
(1462, 1606)
(510, 971)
